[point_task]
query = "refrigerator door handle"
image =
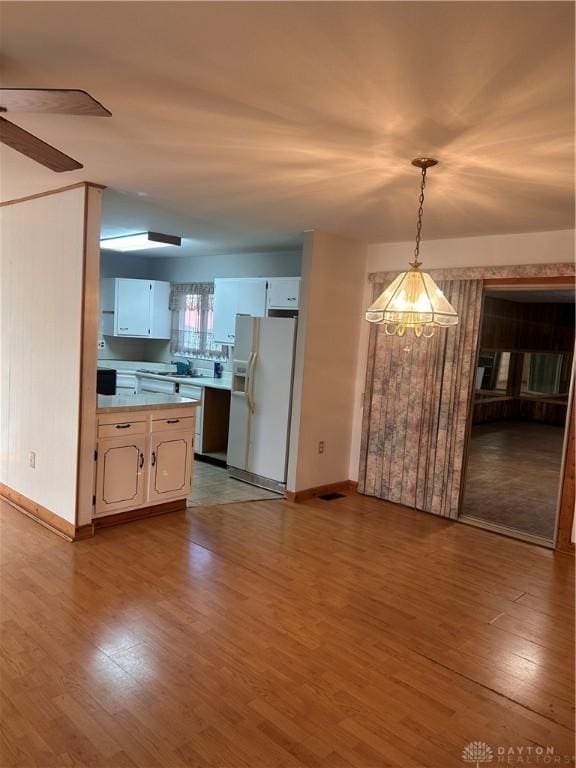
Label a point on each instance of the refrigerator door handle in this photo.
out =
(249, 385)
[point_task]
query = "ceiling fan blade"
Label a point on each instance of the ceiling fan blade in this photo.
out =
(35, 148)
(55, 100)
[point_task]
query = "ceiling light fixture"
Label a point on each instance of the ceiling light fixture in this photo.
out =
(413, 300)
(141, 241)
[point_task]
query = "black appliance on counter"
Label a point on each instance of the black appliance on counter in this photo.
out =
(106, 381)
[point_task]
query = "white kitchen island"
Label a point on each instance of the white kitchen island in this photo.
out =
(144, 455)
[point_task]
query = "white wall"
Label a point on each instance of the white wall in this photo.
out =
(206, 268)
(333, 270)
(41, 267)
(125, 265)
(492, 250)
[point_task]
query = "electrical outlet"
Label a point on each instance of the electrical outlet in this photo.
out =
(100, 343)
(32, 459)
(321, 446)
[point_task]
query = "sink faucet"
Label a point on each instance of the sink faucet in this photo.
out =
(191, 371)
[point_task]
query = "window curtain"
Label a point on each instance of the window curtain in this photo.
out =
(416, 407)
(179, 293)
(192, 306)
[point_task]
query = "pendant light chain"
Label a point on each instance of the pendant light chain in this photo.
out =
(417, 262)
(413, 301)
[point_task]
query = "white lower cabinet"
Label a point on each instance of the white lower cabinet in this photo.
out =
(143, 460)
(196, 393)
(120, 480)
(146, 384)
(125, 383)
(170, 465)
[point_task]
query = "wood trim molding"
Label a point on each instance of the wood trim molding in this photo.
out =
(541, 273)
(77, 185)
(38, 513)
(88, 399)
(567, 281)
(566, 510)
(139, 514)
(297, 497)
(84, 532)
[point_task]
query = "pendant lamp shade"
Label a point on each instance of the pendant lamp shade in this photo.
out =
(413, 300)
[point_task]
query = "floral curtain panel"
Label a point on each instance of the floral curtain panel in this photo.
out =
(416, 407)
(192, 306)
(179, 293)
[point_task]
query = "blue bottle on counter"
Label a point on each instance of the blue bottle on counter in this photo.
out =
(218, 368)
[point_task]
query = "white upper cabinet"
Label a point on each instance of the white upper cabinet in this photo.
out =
(135, 308)
(160, 315)
(236, 296)
(132, 308)
(283, 292)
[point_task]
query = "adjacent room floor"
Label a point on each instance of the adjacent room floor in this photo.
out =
(213, 485)
(350, 633)
(513, 476)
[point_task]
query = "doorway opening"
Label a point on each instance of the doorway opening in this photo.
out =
(520, 404)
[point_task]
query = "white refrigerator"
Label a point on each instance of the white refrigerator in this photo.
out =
(261, 399)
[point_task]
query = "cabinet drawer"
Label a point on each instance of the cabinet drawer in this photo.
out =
(155, 385)
(173, 424)
(125, 380)
(122, 428)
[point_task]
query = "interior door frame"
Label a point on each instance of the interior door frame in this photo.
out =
(565, 506)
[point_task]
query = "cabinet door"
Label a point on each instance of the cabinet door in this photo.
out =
(242, 296)
(120, 474)
(133, 307)
(161, 316)
(171, 455)
(283, 292)
(225, 299)
(251, 296)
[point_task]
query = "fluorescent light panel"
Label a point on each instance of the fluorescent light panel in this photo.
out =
(141, 241)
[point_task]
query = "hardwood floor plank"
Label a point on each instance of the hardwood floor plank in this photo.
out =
(351, 634)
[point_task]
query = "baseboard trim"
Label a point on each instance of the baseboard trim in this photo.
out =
(346, 486)
(139, 514)
(38, 513)
(84, 532)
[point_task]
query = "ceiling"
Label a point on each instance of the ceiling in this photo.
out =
(240, 125)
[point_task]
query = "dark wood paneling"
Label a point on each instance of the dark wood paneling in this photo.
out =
(522, 327)
(493, 409)
(545, 411)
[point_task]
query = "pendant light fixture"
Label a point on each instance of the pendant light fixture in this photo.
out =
(413, 300)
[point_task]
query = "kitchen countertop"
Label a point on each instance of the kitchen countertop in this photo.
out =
(204, 381)
(147, 401)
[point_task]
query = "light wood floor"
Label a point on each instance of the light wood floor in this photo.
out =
(343, 634)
